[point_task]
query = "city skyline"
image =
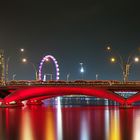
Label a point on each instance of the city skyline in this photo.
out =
(73, 33)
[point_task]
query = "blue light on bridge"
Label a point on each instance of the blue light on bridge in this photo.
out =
(126, 94)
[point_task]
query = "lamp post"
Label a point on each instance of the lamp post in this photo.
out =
(97, 76)
(82, 70)
(14, 75)
(47, 74)
(68, 75)
(125, 66)
(24, 60)
(7, 64)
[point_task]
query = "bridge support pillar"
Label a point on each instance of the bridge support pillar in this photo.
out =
(126, 105)
(11, 104)
(34, 102)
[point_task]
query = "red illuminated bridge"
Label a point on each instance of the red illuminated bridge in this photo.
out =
(15, 93)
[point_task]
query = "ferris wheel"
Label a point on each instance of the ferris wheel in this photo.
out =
(47, 58)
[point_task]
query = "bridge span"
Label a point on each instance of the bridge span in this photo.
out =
(13, 94)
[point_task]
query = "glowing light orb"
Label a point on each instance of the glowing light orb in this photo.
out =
(113, 60)
(136, 59)
(24, 60)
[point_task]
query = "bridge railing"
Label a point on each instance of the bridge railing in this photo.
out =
(76, 82)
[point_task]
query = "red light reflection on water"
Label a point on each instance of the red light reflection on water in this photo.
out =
(69, 123)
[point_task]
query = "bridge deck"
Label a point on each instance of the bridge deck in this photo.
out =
(17, 92)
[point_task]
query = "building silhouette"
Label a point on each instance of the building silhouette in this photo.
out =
(2, 66)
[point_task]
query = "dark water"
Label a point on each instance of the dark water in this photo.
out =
(70, 123)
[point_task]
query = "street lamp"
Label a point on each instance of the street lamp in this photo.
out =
(7, 64)
(136, 59)
(24, 60)
(125, 66)
(82, 70)
(22, 50)
(14, 75)
(108, 48)
(112, 59)
(45, 76)
(96, 76)
(68, 75)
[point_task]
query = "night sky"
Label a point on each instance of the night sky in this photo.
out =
(73, 32)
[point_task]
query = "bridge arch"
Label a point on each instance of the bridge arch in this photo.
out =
(48, 92)
(134, 98)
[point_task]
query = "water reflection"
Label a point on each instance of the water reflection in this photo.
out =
(114, 125)
(107, 118)
(50, 133)
(69, 123)
(136, 125)
(26, 126)
(8, 118)
(59, 121)
(84, 127)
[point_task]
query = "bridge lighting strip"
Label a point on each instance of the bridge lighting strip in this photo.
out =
(127, 92)
(46, 58)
